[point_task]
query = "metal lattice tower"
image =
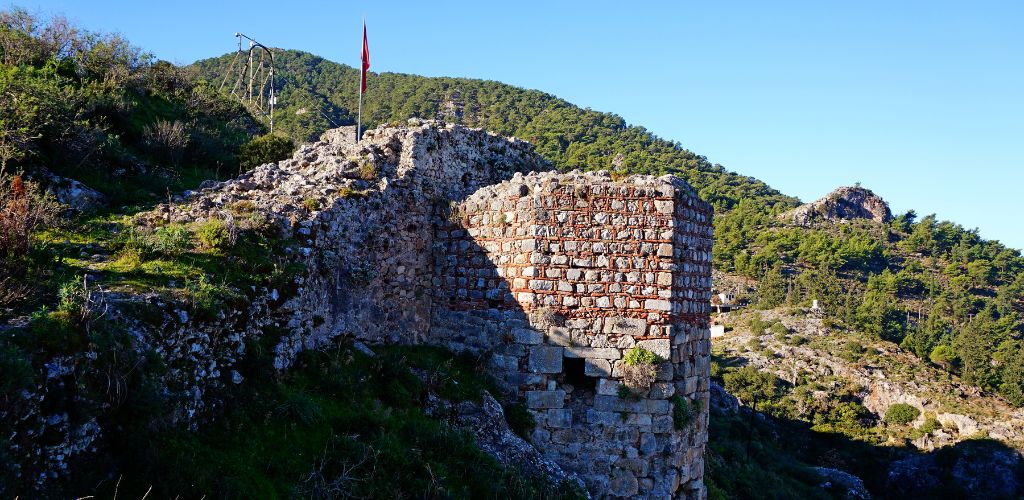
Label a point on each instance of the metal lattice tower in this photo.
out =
(253, 80)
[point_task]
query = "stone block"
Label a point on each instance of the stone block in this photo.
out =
(648, 444)
(607, 387)
(658, 406)
(559, 336)
(597, 368)
(603, 417)
(639, 419)
(661, 347)
(527, 336)
(662, 390)
(506, 363)
(545, 399)
(637, 466)
(623, 483)
(593, 352)
(657, 305)
(545, 359)
(559, 418)
(628, 326)
(662, 424)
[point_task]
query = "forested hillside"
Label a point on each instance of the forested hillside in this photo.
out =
(937, 289)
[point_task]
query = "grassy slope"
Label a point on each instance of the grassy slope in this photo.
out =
(340, 423)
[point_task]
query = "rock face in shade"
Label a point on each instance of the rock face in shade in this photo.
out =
(440, 234)
(843, 204)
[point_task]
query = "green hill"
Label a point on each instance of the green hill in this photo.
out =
(317, 94)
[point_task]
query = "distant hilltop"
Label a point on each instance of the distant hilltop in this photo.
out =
(843, 204)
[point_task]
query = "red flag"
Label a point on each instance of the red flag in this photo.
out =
(365, 58)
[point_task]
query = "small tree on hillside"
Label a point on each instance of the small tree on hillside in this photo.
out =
(901, 414)
(943, 356)
(771, 292)
(264, 149)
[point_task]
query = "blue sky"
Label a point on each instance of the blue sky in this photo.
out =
(923, 102)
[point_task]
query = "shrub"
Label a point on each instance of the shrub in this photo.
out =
(716, 369)
(367, 170)
(24, 208)
(852, 351)
(73, 299)
(779, 330)
(347, 192)
(167, 140)
(684, 412)
(55, 332)
(204, 295)
(311, 204)
(751, 385)
(625, 392)
(127, 259)
(930, 425)
(639, 368)
(796, 340)
(264, 149)
(754, 344)
(943, 355)
(758, 325)
(242, 207)
(213, 234)
(637, 356)
(171, 240)
(901, 414)
(15, 370)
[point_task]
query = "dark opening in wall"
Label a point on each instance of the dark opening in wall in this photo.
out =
(574, 370)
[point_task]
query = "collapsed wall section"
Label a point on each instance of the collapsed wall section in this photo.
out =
(370, 246)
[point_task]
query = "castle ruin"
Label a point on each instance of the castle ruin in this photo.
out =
(463, 238)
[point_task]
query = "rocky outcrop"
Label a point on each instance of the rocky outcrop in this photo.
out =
(71, 193)
(971, 470)
(844, 204)
(844, 484)
(486, 421)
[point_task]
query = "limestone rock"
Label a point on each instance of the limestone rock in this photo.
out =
(844, 204)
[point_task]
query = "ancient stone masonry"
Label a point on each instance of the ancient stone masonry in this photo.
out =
(434, 233)
(560, 272)
(553, 276)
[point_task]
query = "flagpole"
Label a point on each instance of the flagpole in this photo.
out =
(359, 122)
(362, 78)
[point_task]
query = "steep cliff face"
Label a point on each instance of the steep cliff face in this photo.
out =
(432, 234)
(845, 203)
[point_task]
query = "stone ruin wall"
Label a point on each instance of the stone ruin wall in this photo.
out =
(372, 256)
(553, 276)
(558, 275)
(545, 273)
